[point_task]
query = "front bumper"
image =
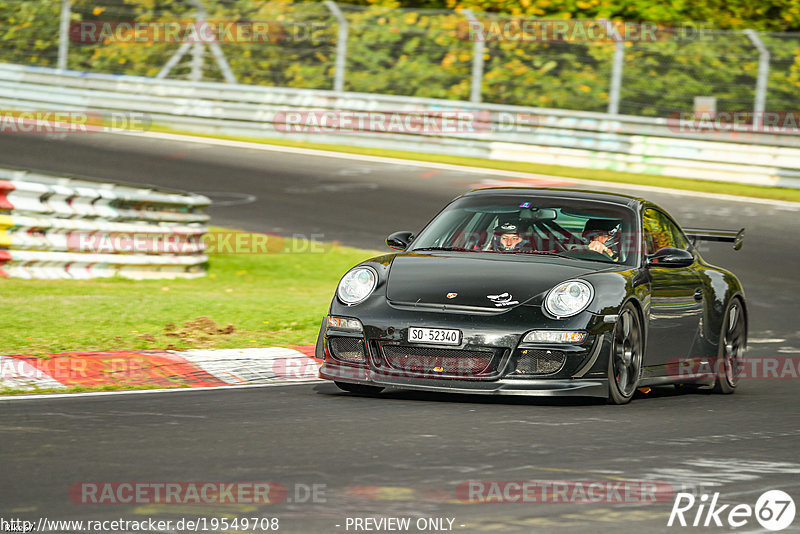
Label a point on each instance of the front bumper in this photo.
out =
(542, 387)
(583, 372)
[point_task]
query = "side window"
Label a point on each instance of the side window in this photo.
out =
(678, 238)
(661, 232)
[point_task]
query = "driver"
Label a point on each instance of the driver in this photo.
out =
(507, 237)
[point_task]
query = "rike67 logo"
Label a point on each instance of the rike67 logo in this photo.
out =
(774, 510)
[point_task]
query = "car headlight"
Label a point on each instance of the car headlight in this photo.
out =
(357, 285)
(569, 298)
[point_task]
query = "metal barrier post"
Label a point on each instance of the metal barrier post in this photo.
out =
(341, 45)
(616, 77)
(176, 57)
(216, 51)
(477, 56)
(219, 57)
(63, 34)
(761, 80)
(198, 55)
(198, 52)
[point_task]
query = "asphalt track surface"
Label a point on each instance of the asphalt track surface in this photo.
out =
(402, 454)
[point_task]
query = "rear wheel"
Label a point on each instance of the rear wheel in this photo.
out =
(732, 341)
(360, 389)
(625, 360)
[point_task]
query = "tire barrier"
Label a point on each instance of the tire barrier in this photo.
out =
(663, 146)
(54, 227)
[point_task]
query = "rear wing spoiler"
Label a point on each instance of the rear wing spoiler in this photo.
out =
(724, 236)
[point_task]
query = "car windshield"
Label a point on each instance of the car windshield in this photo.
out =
(531, 225)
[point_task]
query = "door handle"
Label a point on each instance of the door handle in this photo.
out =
(698, 294)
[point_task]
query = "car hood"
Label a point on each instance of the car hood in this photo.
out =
(485, 281)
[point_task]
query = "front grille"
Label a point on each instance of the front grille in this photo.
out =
(347, 349)
(439, 362)
(539, 362)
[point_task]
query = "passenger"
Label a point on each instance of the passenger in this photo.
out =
(601, 233)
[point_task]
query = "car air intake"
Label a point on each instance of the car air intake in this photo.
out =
(347, 349)
(439, 362)
(539, 362)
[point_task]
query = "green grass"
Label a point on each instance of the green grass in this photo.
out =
(274, 299)
(84, 389)
(774, 193)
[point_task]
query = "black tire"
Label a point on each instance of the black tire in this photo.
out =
(732, 342)
(625, 358)
(359, 389)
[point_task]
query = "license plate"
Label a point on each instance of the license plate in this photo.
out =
(440, 336)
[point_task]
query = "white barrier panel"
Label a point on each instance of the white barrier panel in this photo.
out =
(658, 146)
(54, 227)
(635, 163)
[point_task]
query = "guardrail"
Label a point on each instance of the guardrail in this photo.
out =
(55, 227)
(655, 146)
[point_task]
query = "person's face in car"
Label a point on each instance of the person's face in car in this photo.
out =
(601, 238)
(510, 241)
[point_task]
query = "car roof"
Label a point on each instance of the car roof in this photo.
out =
(582, 194)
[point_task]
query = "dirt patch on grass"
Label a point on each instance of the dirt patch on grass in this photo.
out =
(200, 332)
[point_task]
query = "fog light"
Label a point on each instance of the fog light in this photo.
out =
(345, 323)
(553, 336)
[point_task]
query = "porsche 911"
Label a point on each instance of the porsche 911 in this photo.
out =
(524, 291)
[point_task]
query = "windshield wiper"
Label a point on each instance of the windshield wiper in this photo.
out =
(548, 253)
(446, 249)
(598, 259)
(566, 255)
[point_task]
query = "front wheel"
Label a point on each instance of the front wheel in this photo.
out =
(625, 360)
(732, 341)
(359, 389)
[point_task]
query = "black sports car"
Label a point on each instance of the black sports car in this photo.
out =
(539, 292)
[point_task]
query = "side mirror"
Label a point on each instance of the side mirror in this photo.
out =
(670, 257)
(400, 240)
